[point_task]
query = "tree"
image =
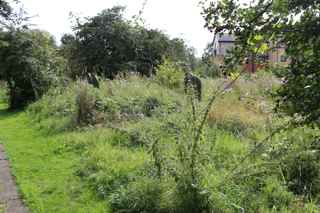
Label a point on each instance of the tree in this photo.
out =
(101, 45)
(29, 64)
(69, 50)
(5, 9)
(151, 47)
(260, 25)
(11, 17)
(108, 44)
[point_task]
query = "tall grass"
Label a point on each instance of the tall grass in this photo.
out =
(151, 152)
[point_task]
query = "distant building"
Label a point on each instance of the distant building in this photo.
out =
(277, 56)
(224, 43)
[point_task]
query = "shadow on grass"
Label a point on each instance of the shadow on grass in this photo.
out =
(6, 113)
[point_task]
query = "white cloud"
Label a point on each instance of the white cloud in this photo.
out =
(178, 18)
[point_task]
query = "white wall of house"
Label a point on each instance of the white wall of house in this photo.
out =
(224, 48)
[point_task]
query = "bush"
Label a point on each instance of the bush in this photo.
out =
(169, 75)
(93, 106)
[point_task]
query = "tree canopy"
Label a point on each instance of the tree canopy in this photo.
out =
(5, 9)
(29, 64)
(108, 44)
(260, 26)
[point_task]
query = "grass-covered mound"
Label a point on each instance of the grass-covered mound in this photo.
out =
(136, 136)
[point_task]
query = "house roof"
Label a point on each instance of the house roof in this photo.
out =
(226, 38)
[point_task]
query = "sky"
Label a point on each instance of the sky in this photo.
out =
(177, 18)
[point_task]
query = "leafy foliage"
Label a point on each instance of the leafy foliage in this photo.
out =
(262, 25)
(29, 64)
(169, 74)
(108, 45)
(5, 9)
(141, 158)
(207, 67)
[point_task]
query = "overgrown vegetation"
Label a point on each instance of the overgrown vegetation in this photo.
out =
(136, 142)
(262, 25)
(143, 161)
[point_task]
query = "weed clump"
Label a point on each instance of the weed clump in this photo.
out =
(150, 105)
(92, 107)
(87, 106)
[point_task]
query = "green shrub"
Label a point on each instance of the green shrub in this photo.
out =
(88, 106)
(169, 75)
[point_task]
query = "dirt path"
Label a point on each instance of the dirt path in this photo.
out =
(9, 197)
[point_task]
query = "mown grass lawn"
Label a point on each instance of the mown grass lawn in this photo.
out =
(44, 170)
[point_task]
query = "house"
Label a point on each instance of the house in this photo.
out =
(221, 46)
(226, 42)
(223, 43)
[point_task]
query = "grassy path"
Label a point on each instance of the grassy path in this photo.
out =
(44, 170)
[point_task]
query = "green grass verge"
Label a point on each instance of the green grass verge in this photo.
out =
(1, 208)
(44, 170)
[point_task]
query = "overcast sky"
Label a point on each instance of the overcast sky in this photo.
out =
(178, 18)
